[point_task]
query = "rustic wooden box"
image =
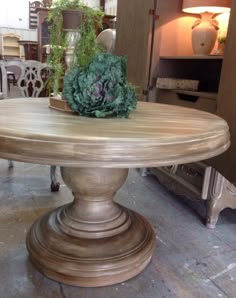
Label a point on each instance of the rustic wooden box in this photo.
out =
(171, 83)
(59, 104)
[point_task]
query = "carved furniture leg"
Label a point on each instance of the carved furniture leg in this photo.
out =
(144, 172)
(92, 241)
(10, 164)
(215, 202)
(55, 185)
(222, 195)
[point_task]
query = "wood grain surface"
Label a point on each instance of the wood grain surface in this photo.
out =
(94, 241)
(153, 135)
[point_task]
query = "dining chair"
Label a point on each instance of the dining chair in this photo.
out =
(31, 78)
(1, 87)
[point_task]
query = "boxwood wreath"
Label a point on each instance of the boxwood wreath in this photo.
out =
(100, 89)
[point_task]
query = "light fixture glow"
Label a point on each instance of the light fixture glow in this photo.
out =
(201, 9)
(204, 33)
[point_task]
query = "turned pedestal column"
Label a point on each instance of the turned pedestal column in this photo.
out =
(92, 241)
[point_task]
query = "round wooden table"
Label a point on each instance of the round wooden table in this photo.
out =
(94, 241)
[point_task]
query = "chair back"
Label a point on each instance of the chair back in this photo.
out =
(1, 93)
(3, 78)
(31, 76)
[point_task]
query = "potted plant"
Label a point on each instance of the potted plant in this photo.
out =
(78, 36)
(96, 83)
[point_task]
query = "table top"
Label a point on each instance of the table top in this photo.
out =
(153, 135)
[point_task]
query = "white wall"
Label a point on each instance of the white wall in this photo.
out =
(14, 14)
(111, 7)
(91, 3)
(14, 18)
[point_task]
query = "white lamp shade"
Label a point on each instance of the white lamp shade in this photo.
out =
(201, 6)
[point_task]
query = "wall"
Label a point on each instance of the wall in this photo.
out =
(92, 3)
(14, 18)
(15, 13)
(172, 24)
(111, 7)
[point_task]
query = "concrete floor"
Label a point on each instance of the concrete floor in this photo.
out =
(189, 260)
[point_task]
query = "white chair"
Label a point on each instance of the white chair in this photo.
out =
(1, 87)
(31, 78)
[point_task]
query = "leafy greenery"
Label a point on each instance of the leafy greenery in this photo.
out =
(100, 89)
(47, 3)
(222, 39)
(85, 46)
(58, 45)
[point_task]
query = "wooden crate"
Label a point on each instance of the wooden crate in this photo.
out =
(59, 104)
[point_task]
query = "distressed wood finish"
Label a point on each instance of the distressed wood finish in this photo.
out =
(134, 41)
(154, 135)
(94, 241)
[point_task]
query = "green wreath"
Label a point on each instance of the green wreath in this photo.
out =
(100, 89)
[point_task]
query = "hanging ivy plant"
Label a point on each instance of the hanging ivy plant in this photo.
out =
(85, 45)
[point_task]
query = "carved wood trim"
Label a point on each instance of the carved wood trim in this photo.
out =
(215, 188)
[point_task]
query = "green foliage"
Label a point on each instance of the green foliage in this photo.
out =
(85, 47)
(222, 39)
(66, 4)
(47, 3)
(58, 45)
(100, 89)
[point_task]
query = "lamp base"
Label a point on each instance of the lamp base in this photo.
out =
(204, 34)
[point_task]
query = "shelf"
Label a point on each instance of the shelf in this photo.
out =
(210, 95)
(209, 57)
(204, 69)
(11, 46)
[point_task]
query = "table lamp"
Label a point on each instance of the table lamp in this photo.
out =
(204, 31)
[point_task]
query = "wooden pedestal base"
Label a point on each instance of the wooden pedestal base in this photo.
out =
(93, 241)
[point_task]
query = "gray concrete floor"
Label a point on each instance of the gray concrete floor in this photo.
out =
(189, 260)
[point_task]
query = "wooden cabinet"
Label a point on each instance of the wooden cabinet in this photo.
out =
(33, 22)
(195, 180)
(30, 48)
(157, 42)
(146, 29)
(135, 36)
(216, 94)
(43, 31)
(10, 45)
(204, 71)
